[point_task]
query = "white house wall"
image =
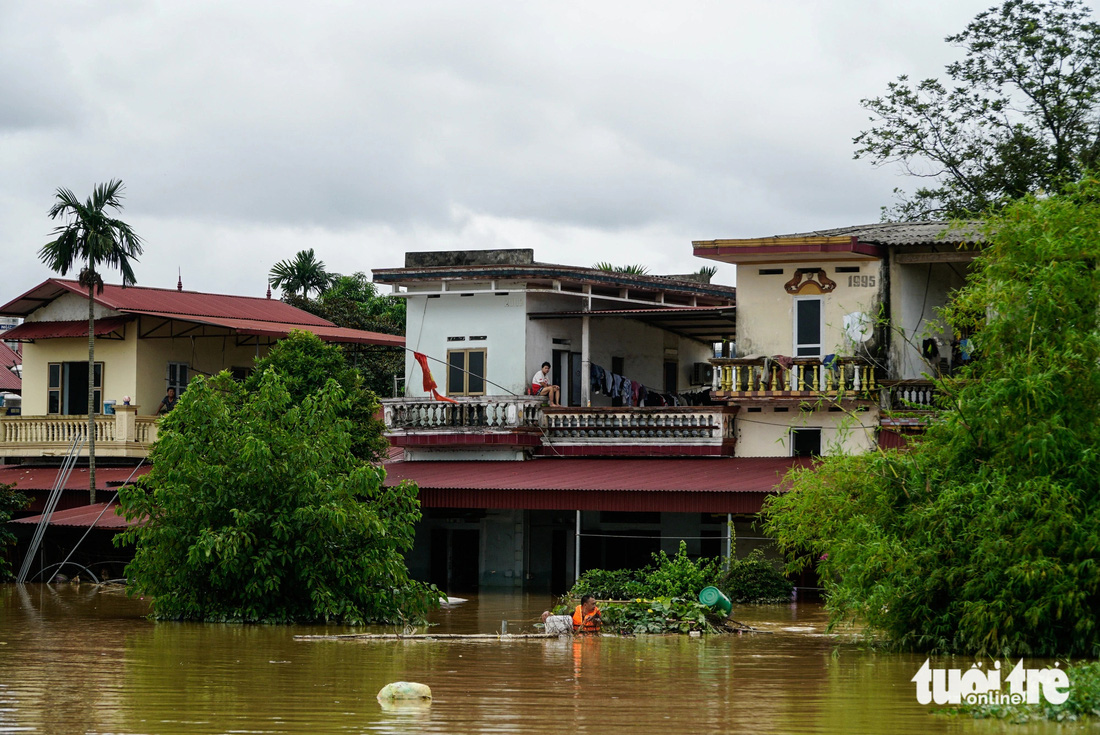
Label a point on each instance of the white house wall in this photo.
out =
(500, 319)
(765, 311)
(766, 433)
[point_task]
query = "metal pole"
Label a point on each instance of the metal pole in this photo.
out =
(729, 539)
(577, 550)
(586, 364)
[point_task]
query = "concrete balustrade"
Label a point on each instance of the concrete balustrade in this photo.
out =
(125, 434)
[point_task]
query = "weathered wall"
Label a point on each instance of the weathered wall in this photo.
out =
(767, 433)
(765, 311)
(917, 293)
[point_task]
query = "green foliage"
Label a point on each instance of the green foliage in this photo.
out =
(353, 302)
(754, 580)
(300, 275)
(633, 269)
(679, 576)
(11, 500)
(618, 584)
(1083, 701)
(982, 538)
(749, 580)
(661, 615)
(306, 364)
(1018, 116)
(258, 511)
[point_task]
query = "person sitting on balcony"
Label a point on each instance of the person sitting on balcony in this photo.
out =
(540, 385)
(168, 402)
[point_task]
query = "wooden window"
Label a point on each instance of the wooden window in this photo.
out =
(67, 388)
(466, 372)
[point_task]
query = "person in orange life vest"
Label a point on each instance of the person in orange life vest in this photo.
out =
(540, 385)
(586, 618)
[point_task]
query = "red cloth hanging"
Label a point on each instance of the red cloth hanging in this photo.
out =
(429, 383)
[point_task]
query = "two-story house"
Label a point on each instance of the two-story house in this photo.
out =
(838, 331)
(147, 341)
(516, 493)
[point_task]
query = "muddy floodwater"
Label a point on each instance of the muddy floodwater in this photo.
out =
(74, 659)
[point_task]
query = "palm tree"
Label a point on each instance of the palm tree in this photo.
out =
(92, 238)
(301, 275)
(634, 269)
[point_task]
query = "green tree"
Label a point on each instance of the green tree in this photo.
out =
(300, 275)
(983, 537)
(91, 237)
(1019, 113)
(306, 364)
(353, 302)
(258, 511)
(11, 500)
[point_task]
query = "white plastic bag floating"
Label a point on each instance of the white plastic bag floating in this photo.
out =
(405, 691)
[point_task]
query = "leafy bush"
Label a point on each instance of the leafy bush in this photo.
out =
(662, 615)
(11, 500)
(257, 510)
(678, 576)
(619, 584)
(754, 579)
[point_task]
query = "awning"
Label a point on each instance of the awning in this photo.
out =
(79, 328)
(99, 515)
(705, 485)
(704, 323)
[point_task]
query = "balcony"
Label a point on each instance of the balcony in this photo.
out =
(909, 395)
(512, 427)
(125, 434)
(683, 431)
(802, 378)
(502, 426)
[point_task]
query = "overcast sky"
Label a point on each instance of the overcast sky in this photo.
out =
(589, 131)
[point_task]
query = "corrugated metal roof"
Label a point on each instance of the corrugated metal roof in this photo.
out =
(738, 474)
(244, 314)
(902, 233)
(84, 517)
(9, 381)
(8, 356)
(169, 301)
(77, 328)
(43, 478)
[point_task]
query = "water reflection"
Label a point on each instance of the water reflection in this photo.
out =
(77, 660)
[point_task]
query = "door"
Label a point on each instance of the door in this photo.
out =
(809, 326)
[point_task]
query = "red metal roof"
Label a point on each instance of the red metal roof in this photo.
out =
(246, 314)
(9, 381)
(78, 328)
(737, 474)
(85, 516)
(43, 478)
(722, 485)
(8, 356)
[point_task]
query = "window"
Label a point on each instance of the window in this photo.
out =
(177, 377)
(809, 325)
(805, 442)
(67, 388)
(466, 372)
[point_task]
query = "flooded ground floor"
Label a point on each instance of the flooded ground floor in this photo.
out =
(77, 659)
